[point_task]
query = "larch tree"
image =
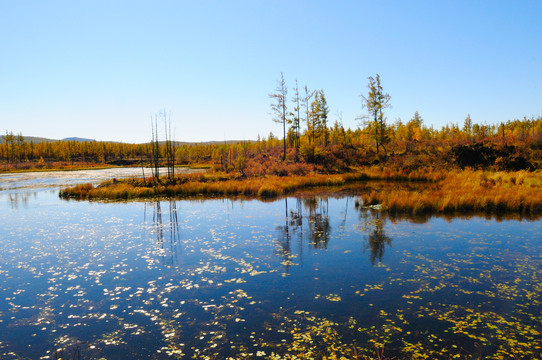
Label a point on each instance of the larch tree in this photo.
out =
(467, 127)
(375, 102)
(313, 125)
(278, 106)
(319, 113)
(305, 103)
(414, 128)
(9, 139)
(324, 113)
(20, 146)
(296, 118)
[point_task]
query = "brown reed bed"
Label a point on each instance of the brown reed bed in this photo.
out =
(272, 186)
(466, 191)
(36, 166)
(214, 184)
(457, 191)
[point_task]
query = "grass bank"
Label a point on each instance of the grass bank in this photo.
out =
(216, 184)
(456, 191)
(51, 166)
(465, 192)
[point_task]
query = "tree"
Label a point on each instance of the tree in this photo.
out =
(305, 102)
(296, 118)
(279, 108)
(414, 128)
(155, 150)
(467, 126)
(313, 124)
(375, 102)
(20, 146)
(318, 118)
(170, 146)
(9, 139)
(324, 112)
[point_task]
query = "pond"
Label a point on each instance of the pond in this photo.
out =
(309, 276)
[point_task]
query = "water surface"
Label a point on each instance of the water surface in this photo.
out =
(245, 279)
(14, 182)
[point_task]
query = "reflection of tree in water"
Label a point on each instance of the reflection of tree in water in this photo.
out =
(314, 211)
(373, 223)
(283, 241)
(167, 235)
(318, 232)
(16, 199)
(319, 227)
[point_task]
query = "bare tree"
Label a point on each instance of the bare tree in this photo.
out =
(170, 146)
(155, 150)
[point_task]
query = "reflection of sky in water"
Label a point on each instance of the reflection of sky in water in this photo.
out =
(55, 179)
(226, 278)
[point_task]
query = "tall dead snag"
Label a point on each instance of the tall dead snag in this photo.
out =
(143, 170)
(170, 147)
(154, 155)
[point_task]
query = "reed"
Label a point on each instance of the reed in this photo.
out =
(212, 184)
(457, 191)
(466, 191)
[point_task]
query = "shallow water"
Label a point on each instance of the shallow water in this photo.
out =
(12, 182)
(296, 276)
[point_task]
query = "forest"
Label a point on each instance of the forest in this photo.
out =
(514, 145)
(311, 142)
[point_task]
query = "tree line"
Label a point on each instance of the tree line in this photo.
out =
(374, 125)
(15, 149)
(309, 137)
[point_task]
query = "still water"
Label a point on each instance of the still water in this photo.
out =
(312, 276)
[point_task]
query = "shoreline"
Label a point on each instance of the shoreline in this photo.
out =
(443, 192)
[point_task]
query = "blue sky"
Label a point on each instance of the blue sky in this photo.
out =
(100, 69)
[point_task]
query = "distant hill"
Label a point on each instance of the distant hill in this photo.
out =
(78, 139)
(34, 139)
(37, 140)
(227, 142)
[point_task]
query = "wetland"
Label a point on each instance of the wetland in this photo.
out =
(304, 276)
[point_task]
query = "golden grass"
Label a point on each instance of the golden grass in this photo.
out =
(51, 166)
(271, 186)
(458, 191)
(467, 191)
(224, 184)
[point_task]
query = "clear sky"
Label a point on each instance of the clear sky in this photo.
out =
(100, 69)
